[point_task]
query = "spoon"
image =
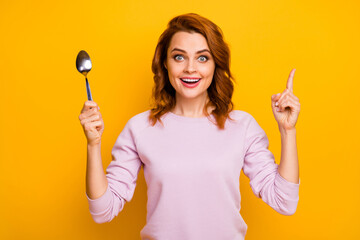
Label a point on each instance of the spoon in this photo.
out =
(83, 65)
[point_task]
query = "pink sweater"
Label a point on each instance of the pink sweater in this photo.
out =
(192, 172)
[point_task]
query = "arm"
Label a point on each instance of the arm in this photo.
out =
(113, 190)
(286, 109)
(277, 185)
(107, 194)
(96, 181)
(289, 165)
(93, 125)
(265, 180)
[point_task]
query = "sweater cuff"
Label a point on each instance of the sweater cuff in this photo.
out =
(100, 204)
(290, 189)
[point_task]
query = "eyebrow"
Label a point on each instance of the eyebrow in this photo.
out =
(180, 50)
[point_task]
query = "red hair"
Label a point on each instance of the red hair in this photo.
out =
(221, 88)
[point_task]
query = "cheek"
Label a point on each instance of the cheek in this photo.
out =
(207, 71)
(174, 70)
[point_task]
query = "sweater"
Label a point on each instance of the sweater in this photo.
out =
(192, 172)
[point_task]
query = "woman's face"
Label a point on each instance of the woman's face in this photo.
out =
(189, 59)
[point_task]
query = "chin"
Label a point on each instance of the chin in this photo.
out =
(191, 95)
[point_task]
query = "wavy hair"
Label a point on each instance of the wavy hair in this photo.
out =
(221, 88)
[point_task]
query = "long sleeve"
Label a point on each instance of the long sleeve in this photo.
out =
(186, 162)
(121, 174)
(265, 180)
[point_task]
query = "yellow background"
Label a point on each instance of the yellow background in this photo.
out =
(43, 147)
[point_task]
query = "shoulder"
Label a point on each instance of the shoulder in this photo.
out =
(138, 122)
(241, 117)
(134, 126)
(246, 121)
(140, 118)
(252, 126)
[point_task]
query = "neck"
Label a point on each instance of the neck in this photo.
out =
(191, 107)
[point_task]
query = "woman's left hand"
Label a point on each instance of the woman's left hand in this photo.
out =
(286, 106)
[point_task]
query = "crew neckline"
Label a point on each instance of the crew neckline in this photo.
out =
(190, 119)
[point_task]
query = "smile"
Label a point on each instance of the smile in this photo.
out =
(190, 80)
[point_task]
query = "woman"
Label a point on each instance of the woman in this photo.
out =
(193, 145)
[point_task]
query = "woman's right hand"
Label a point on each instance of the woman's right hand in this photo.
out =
(91, 120)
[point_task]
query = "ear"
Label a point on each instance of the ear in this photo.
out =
(165, 65)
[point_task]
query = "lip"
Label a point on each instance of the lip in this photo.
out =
(191, 85)
(190, 77)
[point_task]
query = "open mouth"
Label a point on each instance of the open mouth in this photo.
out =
(190, 80)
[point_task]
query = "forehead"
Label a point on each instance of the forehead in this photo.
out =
(190, 42)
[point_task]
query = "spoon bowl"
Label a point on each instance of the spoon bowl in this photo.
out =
(84, 65)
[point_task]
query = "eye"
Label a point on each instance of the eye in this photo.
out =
(178, 57)
(203, 58)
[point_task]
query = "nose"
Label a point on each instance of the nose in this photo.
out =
(190, 67)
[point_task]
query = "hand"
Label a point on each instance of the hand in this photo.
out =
(286, 106)
(91, 120)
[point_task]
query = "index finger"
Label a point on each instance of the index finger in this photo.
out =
(289, 84)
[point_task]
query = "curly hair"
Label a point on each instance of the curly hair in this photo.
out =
(221, 88)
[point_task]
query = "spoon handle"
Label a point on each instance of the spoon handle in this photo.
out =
(88, 90)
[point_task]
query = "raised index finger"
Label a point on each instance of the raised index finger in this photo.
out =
(289, 84)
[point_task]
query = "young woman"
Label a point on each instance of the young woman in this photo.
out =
(193, 145)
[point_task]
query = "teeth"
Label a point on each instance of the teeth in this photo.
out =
(190, 80)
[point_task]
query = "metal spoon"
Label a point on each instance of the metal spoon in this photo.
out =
(83, 65)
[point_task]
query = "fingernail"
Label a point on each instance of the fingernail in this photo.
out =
(277, 103)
